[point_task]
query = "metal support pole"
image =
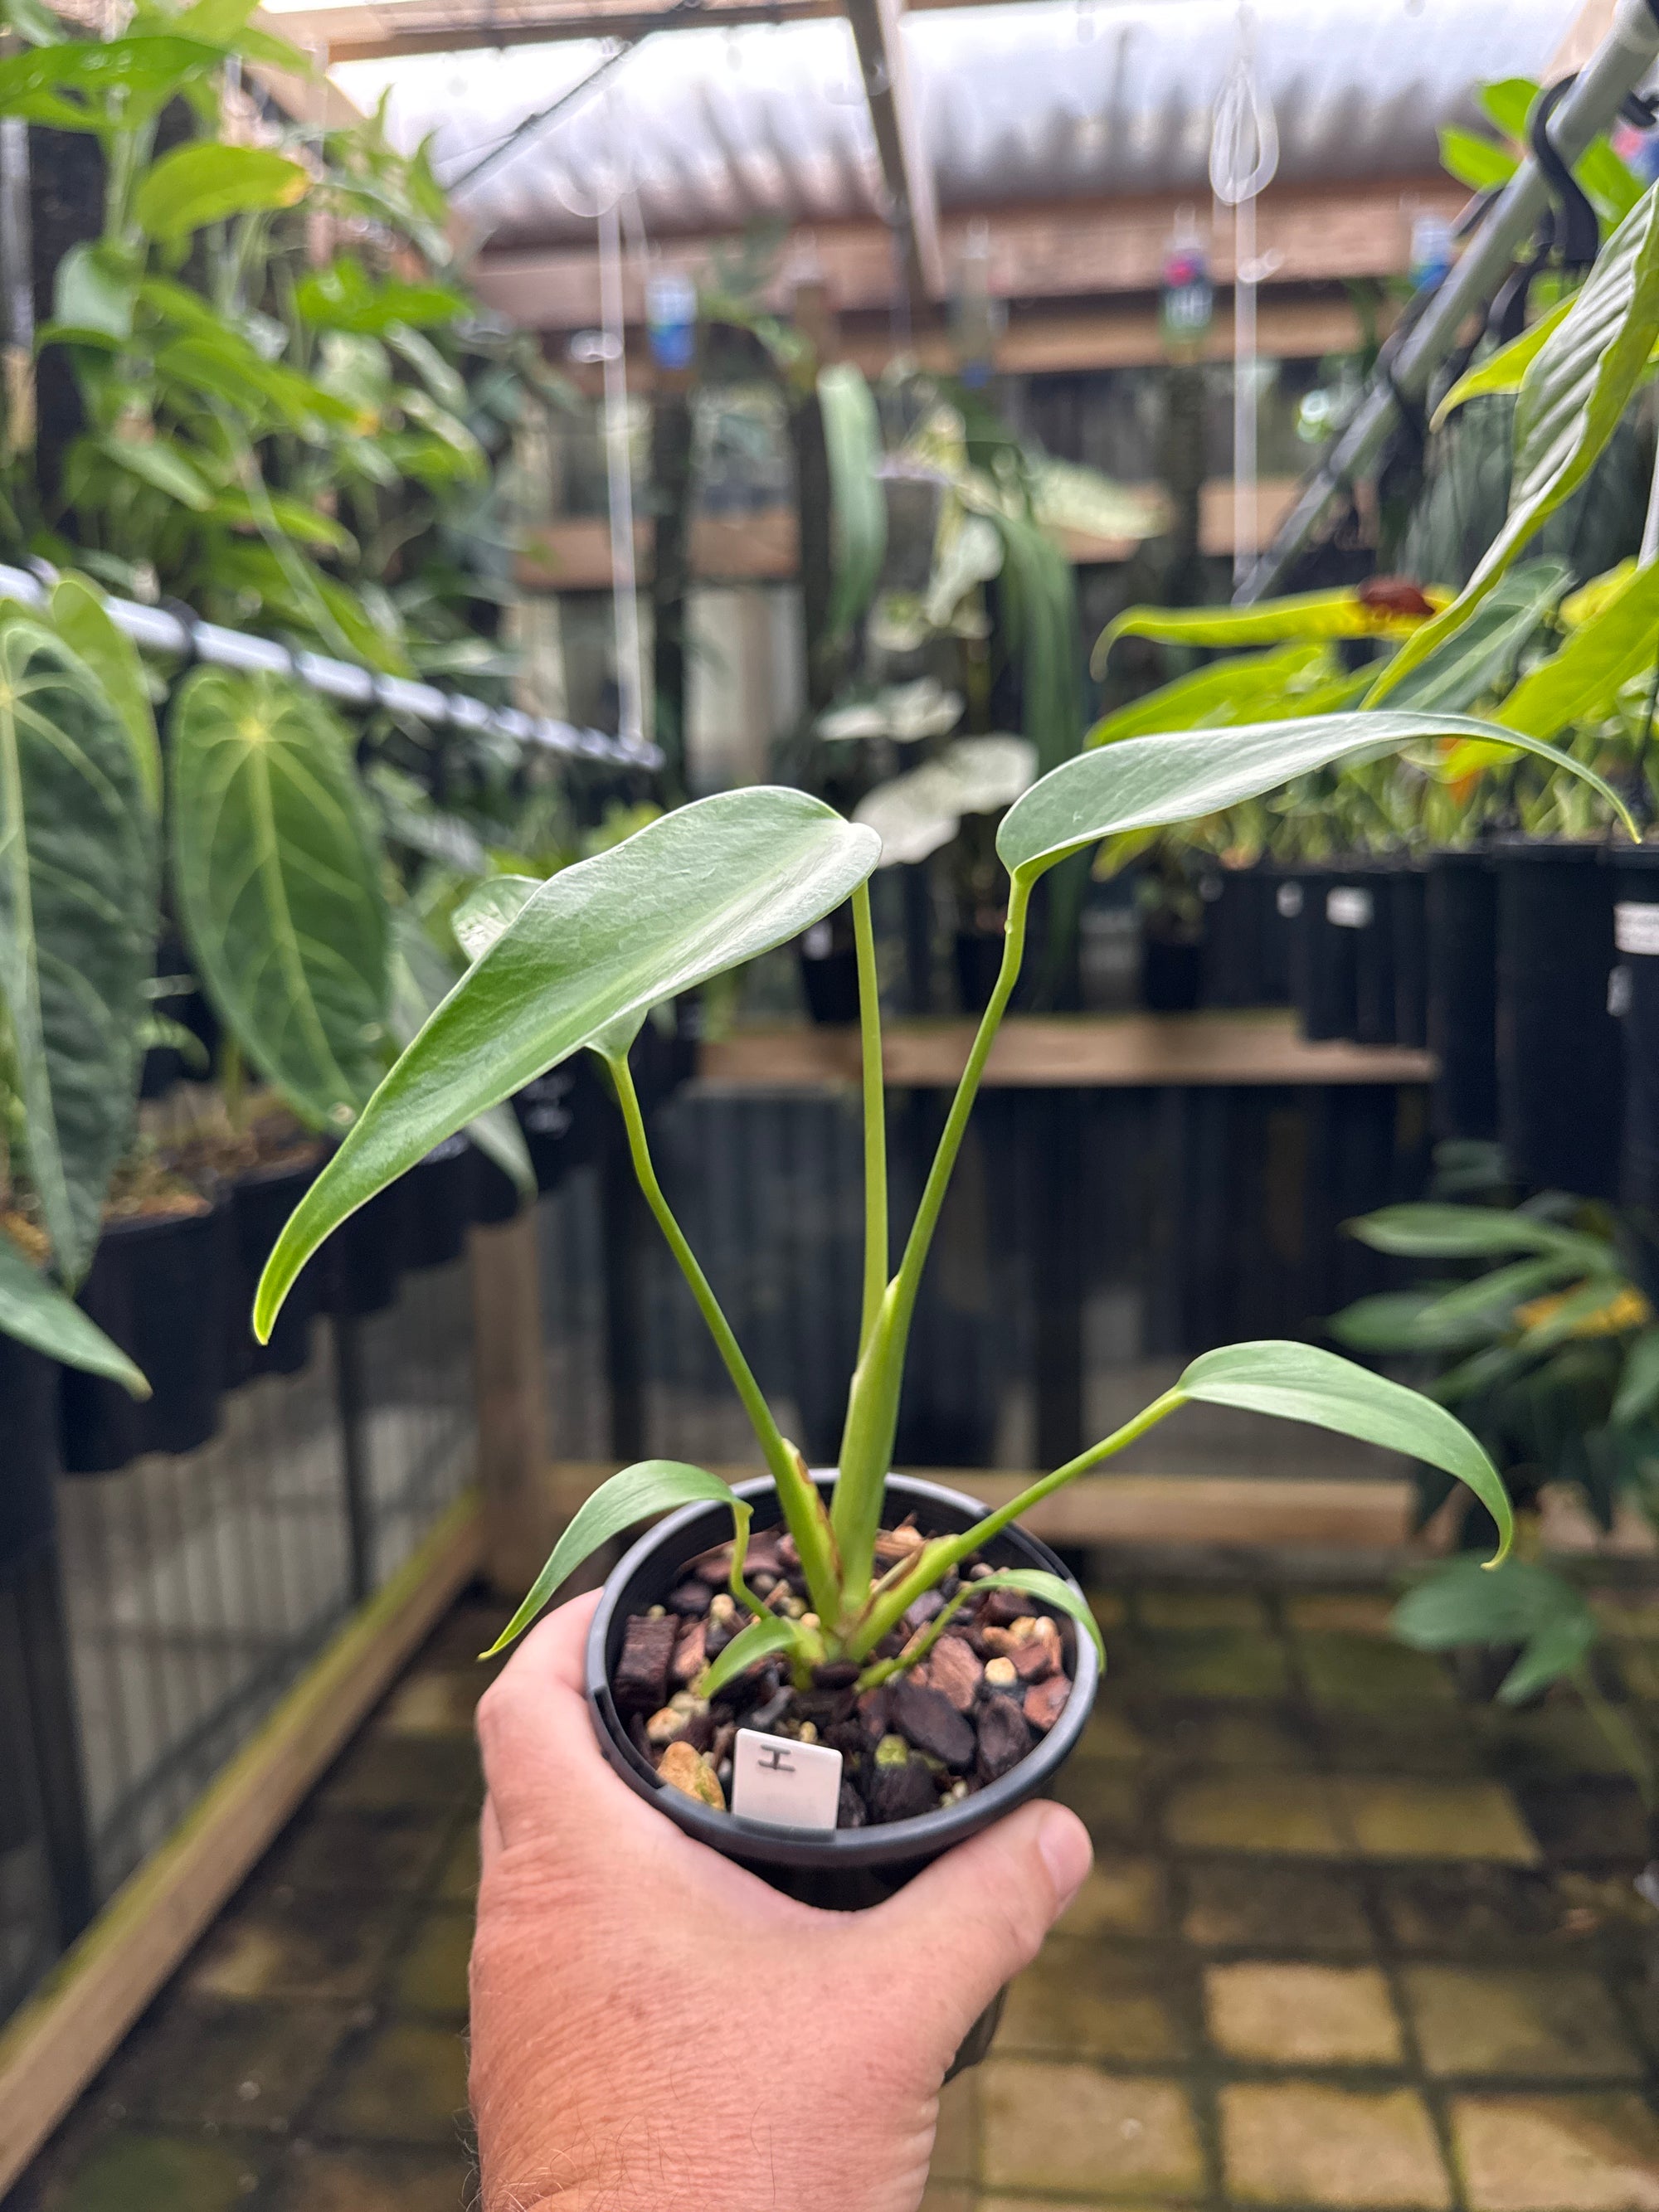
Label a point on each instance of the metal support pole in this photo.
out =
(1623, 60)
(351, 1403)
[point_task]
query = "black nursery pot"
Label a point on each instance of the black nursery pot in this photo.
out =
(1363, 905)
(1461, 911)
(828, 978)
(438, 1204)
(260, 1203)
(1408, 921)
(1238, 916)
(364, 1257)
(28, 1424)
(1171, 973)
(159, 1287)
(495, 1197)
(1323, 973)
(1560, 1074)
(1636, 942)
(562, 1115)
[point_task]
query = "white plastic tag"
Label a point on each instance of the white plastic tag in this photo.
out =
(1288, 899)
(1349, 908)
(1635, 926)
(787, 1784)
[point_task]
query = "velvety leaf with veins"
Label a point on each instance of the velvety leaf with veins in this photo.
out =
(277, 876)
(690, 896)
(1148, 782)
(77, 925)
(82, 620)
(35, 1312)
(655, 1485)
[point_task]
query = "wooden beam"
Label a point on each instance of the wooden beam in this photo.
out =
(54, 2046)
(883, 62)
(1321, 235)
(509, 1379)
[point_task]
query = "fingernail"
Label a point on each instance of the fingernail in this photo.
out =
(1067, 1852)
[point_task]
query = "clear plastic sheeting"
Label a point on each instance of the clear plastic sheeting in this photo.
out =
(1044, 99)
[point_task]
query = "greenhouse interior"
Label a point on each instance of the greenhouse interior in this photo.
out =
(963, 1517)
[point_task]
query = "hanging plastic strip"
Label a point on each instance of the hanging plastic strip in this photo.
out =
(175, 630)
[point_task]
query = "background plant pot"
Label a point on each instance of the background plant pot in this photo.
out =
(1461, 913)
(363, 1258)
(495, 1197)
(1323, 971)
(1238, 913)
(829, 977)
(561, 1114)
(846, 1868)
(1635, 943)
(1281, 934)
(28, 1424)
(1560, 1076)
(159, 1286)
(438, 1204)
(1408, 888)
(1171, 972)
(260, 1203)
(1363, 906)
(978, 954)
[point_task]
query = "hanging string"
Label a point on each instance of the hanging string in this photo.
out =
(1243, 158)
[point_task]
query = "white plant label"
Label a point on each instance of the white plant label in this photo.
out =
(1349, 908)
(785, 1784)
(1636, 926)
(1288, 899)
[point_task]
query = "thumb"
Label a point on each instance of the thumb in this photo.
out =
(977, 1917)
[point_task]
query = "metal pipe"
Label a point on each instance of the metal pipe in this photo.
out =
(1616, 68)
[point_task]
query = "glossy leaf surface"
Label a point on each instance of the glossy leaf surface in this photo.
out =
(82, 620)
(277, 877)
(421, 979)
(1249, 688)
(683, 899)
(1180, 776)
(1581, 681)
(205, 181)
(1431, 1231)
(852, 440)
(655, 1485)
(36, 1313)
(1483, 653)
(1301, 1383)
(77, 925)
(1504, 368)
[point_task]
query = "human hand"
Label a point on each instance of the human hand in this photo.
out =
(656, 2029)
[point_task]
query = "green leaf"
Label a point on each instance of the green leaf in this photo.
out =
(1228, 691)
(1504, 1288)
(1464, 1603)
(1393, 1322)
(306, 525)
(80, 619)
(37, 1313)
(440, 381)
(858, 501)
(345, 297)
(1429, 1231)
(1504, 368)
(277, 877)
(1301, 1383)
(655, 1485)
(1346, 612)
(1570, 401)
(207, 181)
(95, 289)
(1051, 1590)
(224, 365)
(760, 1639)
(688, 897)
(77, 925)
(421, 981)
(1639, 1386)
(1483, 652)
(33, 22)
(1150, 782)
(1474, 160)
(163, 466)
(1580, 682)
(487, 909)
(75, 84)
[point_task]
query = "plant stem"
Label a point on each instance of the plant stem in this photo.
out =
(936, 1558)
(920, 1645)
(802, 1508)
(875, 1119)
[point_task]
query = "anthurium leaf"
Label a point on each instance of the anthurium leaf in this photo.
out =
(1244, 689)
(277, 875)
(1051, 1590)
(1639, 1386)
(163, 466)
(206, 181)
(760, 1639)
(1505, 1287)
(1572, 398)
(1344, 612)
(1483, 653)
(858, 532)
(488, 909)
(37, 1313)
(82, 620)
(77, 925)
(421, 980)
(1180, 776)
(1519, 1601)
(1503, 369)
(655, 1485)
(95, 289)
(1392, 1321)
(1429, 1231)
(1581, 682)
(686, 897)
(1301, 1383)
(306, 525)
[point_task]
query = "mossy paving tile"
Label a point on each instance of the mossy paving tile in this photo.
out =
(364, 2179)
(1560, 2154)
(1587, 1823)
(1371, 1675)
(328, 1947)
(431, 1972)
(1417, 1739)
(1309, 2143)
(435, 1701)
(1072, 2131)
(1109, 1797)
(223, 2065)
(407, 2084)
(1473, 1910)
(1410, 1817)
(1254, 1737)
(1290, 2012)
(130, 2172)
(1289, 1813)
(1557, 1743)
(1252, 1904)
(396, 1848)
(1201, 1608)
(458, 1881)
(1206, 1662)
(1342, 1613)
(1097, 2000)
(1550, 2022)
(956, 2140)
(1123, 1895)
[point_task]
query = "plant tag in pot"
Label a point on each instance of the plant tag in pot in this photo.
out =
(1349, 907)
(787, 1784)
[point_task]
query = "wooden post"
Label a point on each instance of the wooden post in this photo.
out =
(512, 1395)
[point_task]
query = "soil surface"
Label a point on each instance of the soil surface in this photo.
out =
(989, 1689)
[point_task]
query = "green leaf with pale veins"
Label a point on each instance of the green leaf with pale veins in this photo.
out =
(638, 1493)
(1301, 1383)
(82, 620)
(77, 925)
(690, 894)
(277, 874)
(37, 1313)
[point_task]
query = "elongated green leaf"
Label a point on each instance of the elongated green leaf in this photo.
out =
(1570, 401)
(686, 897)
(760, 1639)
(68, 84)
(36, 1313)
(488, 909)
(1462, 1602)
(77, 925)
(1639, 1386)
(1148, 782)
(1346, 612)
(1051, 1590)
(1429, 1231)
(277, 876)
(345, 297)
(1393, 1321)
(1582, 681)
(1504, 368)
(421, 980)
(1483, 652)
(655, 1485)
(80, 619)
(1505, 1287)
(163, 467)
(1301, 1383)
(1474, 160)
(1242, 689)
(206, 181)
(852, 440)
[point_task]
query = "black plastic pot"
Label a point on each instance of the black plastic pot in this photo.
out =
(1324, 961)
(1636, 942)
(363, 1258)
(845, 1868)
(260, 1203)
(1408, 921)
(28, 1424)
(978, 962)
(561, 1114)
(159, 1288)
(438, 1204)
(495, 1197)
(1171, 973)
(829, 978)
(1460, 915)
(1560, 1074)
(1362, 905)
(1238, 912)
(1281, 934)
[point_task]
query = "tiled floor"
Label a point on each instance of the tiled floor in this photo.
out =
(1350, 1943)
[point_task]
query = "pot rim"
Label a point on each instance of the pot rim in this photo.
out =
(895, 1841)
